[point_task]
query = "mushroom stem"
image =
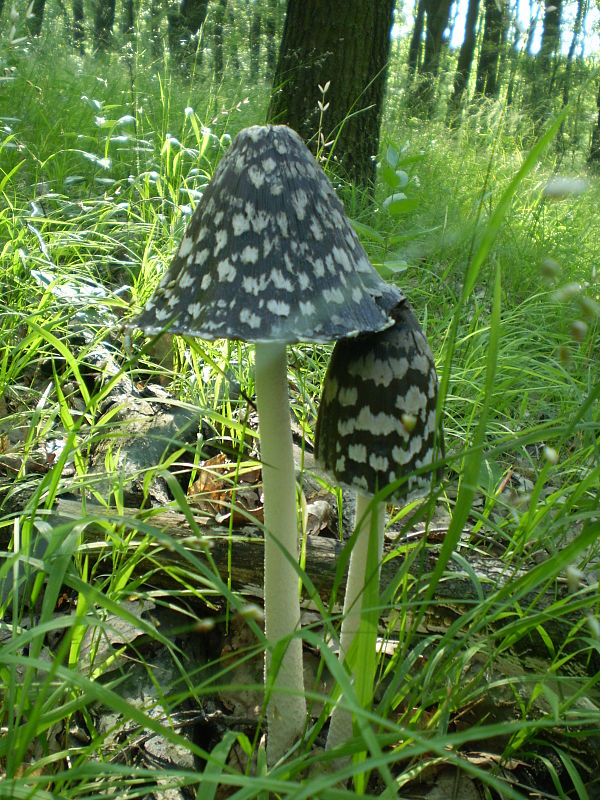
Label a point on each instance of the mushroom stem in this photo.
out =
(340, 726)
(286, 711)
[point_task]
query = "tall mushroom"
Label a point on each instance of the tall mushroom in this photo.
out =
(270, 257)
(376, 425)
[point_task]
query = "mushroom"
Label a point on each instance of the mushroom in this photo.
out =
(270, 257)
(376, 425)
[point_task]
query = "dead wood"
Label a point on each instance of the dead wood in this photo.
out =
(239, 561)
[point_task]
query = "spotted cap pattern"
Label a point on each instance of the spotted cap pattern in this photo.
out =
(377, 418)
(269, 254)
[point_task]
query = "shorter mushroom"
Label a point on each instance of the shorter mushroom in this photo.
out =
(376, 426)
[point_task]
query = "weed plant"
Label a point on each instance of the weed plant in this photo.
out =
(101, 164)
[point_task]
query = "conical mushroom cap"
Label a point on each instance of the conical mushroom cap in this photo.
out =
(377, 417)
(269, 254)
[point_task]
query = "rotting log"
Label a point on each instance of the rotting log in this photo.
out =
(238, 557)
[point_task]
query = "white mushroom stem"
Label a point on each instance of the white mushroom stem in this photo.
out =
(340, 726)
(286, 712)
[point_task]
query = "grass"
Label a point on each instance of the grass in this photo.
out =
(99, 173)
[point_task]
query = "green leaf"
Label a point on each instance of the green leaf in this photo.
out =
(398, 204)
(389, 176)
(392, 156)
(214, 767)
(402, 178)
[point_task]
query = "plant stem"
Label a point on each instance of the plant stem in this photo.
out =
(286, 711)
(340, 727)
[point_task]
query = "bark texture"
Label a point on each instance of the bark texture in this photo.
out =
(35, 22)
(103, 24)
(344, 44)
(465, 58)
(416, 40)
(239, 558)
(78, 29)
(423, 95)
(486, 82)
(594, 156)
(185, 22)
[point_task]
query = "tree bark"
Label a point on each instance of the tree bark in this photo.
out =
(103, 27)
(270, 37)
(416, 40)
(156, 17)
(78, 29)
(549, 49)
(343, 45)
(36, 20)
(185, 23)
(220, 11)
(594, 155)
(129, 15)
(486, 82)
(542, 81)
(255, 31)
(581, 10)
(422, 97)
(465, 59)
(238, 557)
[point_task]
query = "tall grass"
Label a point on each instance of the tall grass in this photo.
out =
(99, 172)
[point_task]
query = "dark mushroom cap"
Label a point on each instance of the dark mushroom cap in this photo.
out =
(269, 254)
(377, 418)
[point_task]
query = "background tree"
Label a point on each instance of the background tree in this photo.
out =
(185, 22)
(78, 29)
(219, 22)
(129, 17)
(255, 31)
(549, 49)
(465, 59)
(416, 40)
(594, 155)
(103, 23)
(270, 36)
(36, 18)
(345, 48)
(486, 82)
(582, 8)
(422, 96)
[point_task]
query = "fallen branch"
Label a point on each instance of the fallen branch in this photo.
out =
(239, 560)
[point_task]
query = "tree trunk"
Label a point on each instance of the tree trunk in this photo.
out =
(238, 557)
(549, 49)
(220, 10)
(156, 17)
(486, 82)
(416, 40)
(105, 19)
(270, 37)
(255, 30)
(438, 14)
(35, 21)
(234, 58)
(344, 46)
(594, 156)
(465, 59)
(545, 64)
(185, 23)
(581, 10)
(78, 29)
(566, 80)
(129, 15)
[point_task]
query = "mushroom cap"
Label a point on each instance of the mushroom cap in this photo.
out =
(269, 254)
(377, 417)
